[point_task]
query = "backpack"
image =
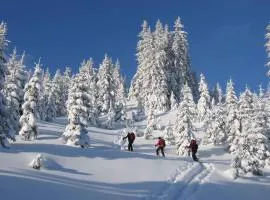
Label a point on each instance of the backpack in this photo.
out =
(163, 143)
(132, 136)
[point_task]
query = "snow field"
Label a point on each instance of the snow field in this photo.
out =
(103, 171)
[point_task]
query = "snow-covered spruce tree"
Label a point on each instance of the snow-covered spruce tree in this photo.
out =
(31, 101)
(15, 81)
(267, 45)
(266, 97)
(194, 85)
(87, 68)
(260, 105)
(203, 106)
(23, 78)
(110, 118)
(217, 94)
(173, 101)
(245, 113)
(78, 101)
(183, 125)
(150, 124)
(44, 93)
(252, 152)
(157, 79)
(58, 86)
(233, 130)
(246, 109)
(106, 86)
(50, 106)
(180, 66)
(150, 79)
(144, 55)
(66, 81)
(139, 114)
(120, 97)
(119, 82)
(168, 134)
(215, 131)
(4, 115)
(232, 117)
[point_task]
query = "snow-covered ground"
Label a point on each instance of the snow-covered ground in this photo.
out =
(103, 171)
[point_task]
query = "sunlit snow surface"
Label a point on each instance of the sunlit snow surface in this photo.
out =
(104, 171)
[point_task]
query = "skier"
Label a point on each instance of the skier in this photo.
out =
(193, 147)
(160, 146)
(131, 138)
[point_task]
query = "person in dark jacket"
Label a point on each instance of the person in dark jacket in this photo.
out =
(193, 147)
(160, 146)
(131, 138)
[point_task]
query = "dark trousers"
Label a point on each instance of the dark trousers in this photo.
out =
(194, 157)
(130, 147)
(160, 149)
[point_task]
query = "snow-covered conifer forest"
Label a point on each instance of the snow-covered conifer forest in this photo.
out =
(61, 133)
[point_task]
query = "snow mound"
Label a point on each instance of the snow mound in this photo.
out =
(40, 161)
(229, 173)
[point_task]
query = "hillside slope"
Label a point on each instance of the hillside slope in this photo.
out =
(103, 171)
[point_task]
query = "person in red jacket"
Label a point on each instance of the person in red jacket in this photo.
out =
(193, 147)
(160, 146)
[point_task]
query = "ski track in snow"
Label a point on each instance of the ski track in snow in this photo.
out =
(184, 183)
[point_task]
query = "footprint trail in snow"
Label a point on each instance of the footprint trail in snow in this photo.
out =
(184, 183)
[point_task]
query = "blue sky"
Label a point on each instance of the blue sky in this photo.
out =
(226, 37)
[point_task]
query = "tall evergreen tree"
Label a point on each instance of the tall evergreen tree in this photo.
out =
(45, 92)
(183, 125)
(87, 69)
(66, 81)
(216, 129)
(181, 68)
(181, 61)
(150, 80)
(120, 97)
(173, 101)
(232, 116)
(267, 45)
(168, 134)
(231, 100)
(264, 97)
(58, 89)
(106, 86)
(245, 113)
(150, 123)
(203, 106)
(251, 153)
(157, 80)
(144, 56)
(50, 93)
(217, 94)
(119, 83)
(4, 119)
(246, 109)
(14, 85)
(31, 101)
(78, 102)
